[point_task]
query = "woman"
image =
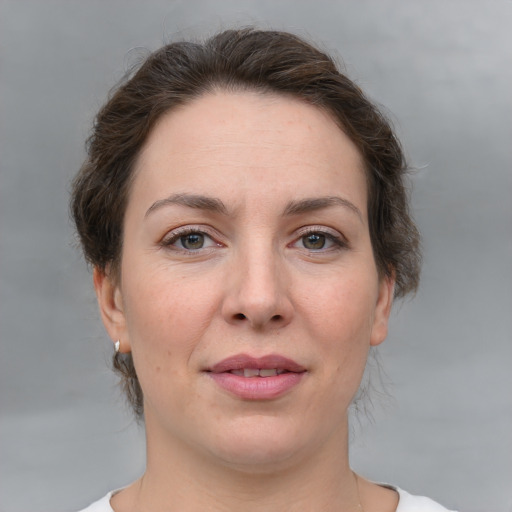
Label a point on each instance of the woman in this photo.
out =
(244, 211)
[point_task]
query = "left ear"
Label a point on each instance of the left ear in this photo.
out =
(382, 310)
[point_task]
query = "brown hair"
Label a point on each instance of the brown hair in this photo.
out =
(246, 59)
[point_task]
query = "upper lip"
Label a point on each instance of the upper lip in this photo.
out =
(241, 361)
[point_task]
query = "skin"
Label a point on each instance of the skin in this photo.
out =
(261, 284)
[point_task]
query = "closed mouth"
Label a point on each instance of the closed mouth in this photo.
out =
(259, 372)
(257, 378)
(247, 366)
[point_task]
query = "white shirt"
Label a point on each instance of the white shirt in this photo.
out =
(407, 503)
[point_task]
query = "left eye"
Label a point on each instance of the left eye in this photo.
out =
(316, 241)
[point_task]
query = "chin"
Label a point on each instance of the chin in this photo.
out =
(259, 446)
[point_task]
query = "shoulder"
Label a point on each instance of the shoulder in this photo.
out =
(410, 503)
(407, 503)
(102, 505)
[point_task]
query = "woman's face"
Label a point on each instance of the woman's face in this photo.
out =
(249, 294)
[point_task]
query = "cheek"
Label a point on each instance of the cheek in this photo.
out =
(342, 319)
(166, 318)
(345, 308)
(166, 327)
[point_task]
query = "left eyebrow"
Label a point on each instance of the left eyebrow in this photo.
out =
(319, 203)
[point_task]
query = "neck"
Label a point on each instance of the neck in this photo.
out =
(183, 478)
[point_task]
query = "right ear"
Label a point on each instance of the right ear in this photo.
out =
(110, 301)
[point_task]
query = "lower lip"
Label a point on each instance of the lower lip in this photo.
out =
(257, 388)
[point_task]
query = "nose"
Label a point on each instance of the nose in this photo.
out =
(258, 292)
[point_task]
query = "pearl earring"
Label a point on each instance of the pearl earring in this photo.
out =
(117, 346)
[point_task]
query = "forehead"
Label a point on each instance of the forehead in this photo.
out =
(237, 116)
(245, 140)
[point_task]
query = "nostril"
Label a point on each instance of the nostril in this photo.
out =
(240, 316)
(276, 318)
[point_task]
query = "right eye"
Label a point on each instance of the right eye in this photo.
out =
(189, 240)
(192, 241)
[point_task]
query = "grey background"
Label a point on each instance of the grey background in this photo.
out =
(443, 68)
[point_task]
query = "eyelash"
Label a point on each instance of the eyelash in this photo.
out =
(173, 237)
(339, 242)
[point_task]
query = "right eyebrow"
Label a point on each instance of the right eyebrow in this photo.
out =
(196, 201)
